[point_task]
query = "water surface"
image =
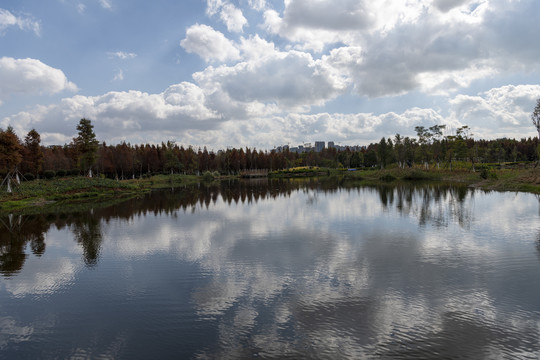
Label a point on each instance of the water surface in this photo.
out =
(299, 269)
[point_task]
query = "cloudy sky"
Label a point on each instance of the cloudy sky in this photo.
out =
(263, 73)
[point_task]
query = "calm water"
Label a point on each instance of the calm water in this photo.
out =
(276, 269)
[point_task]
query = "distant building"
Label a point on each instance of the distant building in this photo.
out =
(319, 146)
(331, 145)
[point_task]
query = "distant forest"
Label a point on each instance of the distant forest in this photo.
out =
(429, 149)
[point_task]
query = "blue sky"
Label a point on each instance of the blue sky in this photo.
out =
(259, 73)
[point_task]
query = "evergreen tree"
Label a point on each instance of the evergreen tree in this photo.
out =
(86, 145)
(32, 154)
(382, 153)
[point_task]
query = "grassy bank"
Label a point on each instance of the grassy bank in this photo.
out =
(527, 180)
(73, 190)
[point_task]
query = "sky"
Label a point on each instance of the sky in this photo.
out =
(266, 73)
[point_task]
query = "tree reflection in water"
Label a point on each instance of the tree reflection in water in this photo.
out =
(435, 204)
(17, 231)
(87, 232)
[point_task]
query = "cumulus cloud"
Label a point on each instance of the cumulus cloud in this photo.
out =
(229, 14)
(7, 19)
(31, 77)
(291, 80)
(257, 4)
(213, 6)
(133, 115)
(233, 18)
(209, 44)
(204, 115)
(254, 48)
(392, 47)
(499, 112)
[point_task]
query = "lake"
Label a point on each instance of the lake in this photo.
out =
(276, 269)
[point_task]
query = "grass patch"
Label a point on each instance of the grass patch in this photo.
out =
(79, 189)
(300, 171)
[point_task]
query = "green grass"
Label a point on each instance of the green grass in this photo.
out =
(301, 171)
(527, 180)
(82, 189)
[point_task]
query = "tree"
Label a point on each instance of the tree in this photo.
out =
(399, 150)
(382, 152)
(86, 145)
(424, 139)
(355, 160)
(535, 117)
(437, 149)
(32, 154)
(10, 150)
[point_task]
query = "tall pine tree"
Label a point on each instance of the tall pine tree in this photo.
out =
(86, 145)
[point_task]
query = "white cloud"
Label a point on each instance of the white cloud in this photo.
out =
(499, 112)
(7, 19)
(106, 4)
(213, 6)
(119, 76)
(122, 55)
(229, 14)
(255, 48)
(209, 44)
(258, 5)
(292, 81)
(233, 18)
(394, 47)
(31, 77)
(134, 115)
(209, 115)
(81, 8)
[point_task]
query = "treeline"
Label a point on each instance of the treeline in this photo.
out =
(86, 155)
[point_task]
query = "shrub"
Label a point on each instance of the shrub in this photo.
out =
(208, 176)
(487, 173)
(29, 176)
(49, 174)
(74, 172)
(387, 177)
(484, 173)
(416, 175)
(61, 173)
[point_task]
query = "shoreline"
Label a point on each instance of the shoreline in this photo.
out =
(75, 191)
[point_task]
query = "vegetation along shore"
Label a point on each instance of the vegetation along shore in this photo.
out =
(35, 175)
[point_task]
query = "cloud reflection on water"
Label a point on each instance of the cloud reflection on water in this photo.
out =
(341, 272)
